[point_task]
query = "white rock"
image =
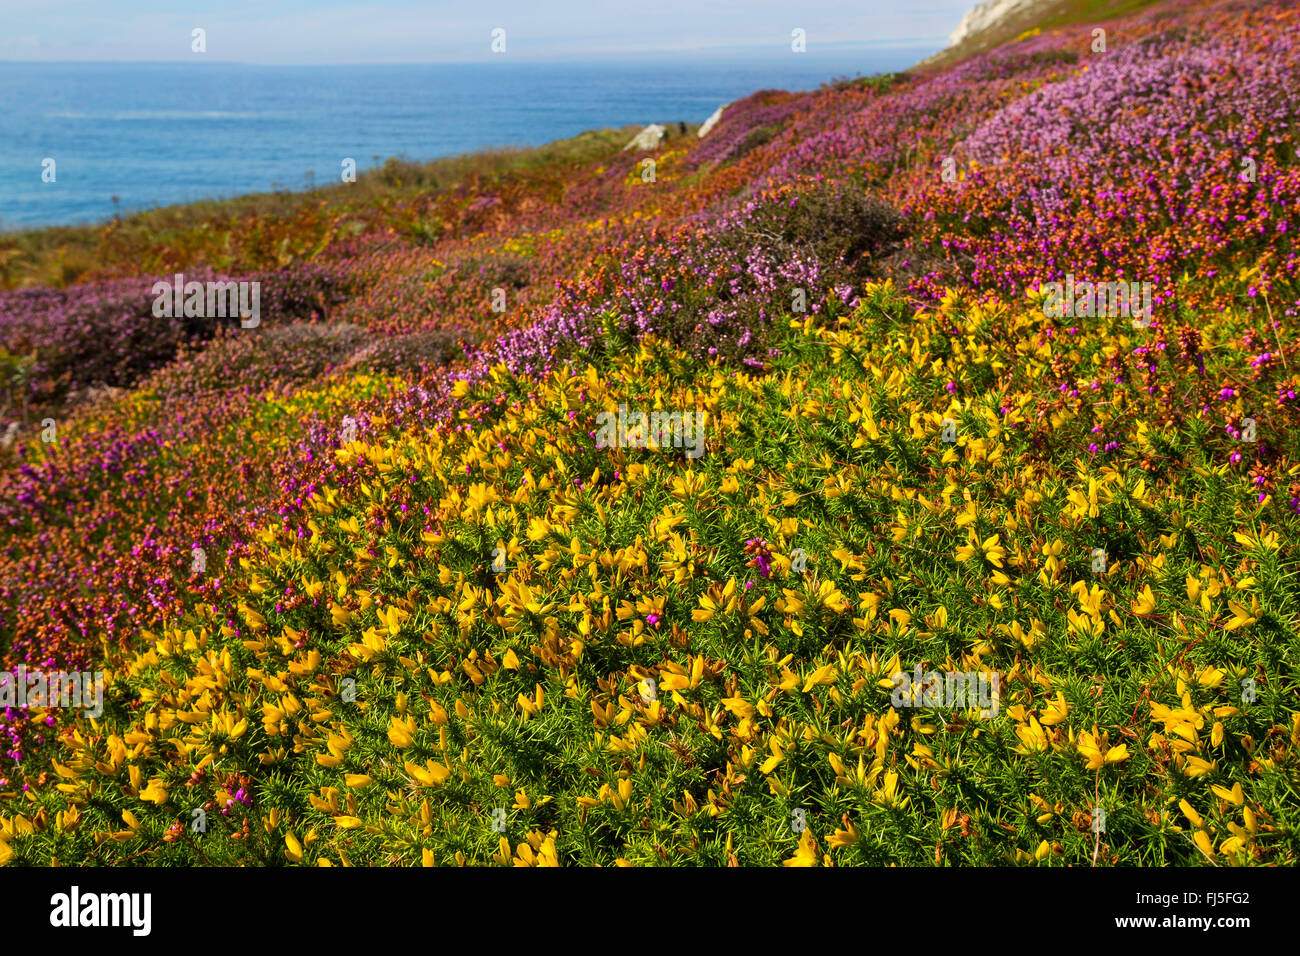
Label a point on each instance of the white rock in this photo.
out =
(648, 138)
(712, 121)
(988, 14)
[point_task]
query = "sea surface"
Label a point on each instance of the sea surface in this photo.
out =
(154, 134)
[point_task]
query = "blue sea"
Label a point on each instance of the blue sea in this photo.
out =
(155, 134)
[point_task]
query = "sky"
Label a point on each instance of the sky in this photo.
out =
(294, 32)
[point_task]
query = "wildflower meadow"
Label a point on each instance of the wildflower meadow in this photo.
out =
(807, 497)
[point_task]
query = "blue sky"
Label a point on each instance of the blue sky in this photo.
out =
(435, 31)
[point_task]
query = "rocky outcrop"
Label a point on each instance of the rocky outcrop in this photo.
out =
(989, 15)
(712, 121)
(648, 138)
(991, 23)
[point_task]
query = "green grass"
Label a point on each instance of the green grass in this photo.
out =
(214, 232)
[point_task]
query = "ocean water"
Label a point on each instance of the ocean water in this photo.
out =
(164, 133)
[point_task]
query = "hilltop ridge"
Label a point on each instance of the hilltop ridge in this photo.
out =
(991, 23)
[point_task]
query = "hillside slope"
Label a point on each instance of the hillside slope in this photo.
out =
(394, 578)
(991, 23)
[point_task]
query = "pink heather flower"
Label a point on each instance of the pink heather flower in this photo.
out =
(762, 556)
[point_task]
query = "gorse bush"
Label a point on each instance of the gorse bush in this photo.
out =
(452, 691)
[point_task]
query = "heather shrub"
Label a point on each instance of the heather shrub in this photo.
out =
(409, 353)
(106, 334)
(101, 333)
(714, 291)
(281, 355)
(303, 292)
(879, 83)
(841, 226)
(765, 110)
(499, 270)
